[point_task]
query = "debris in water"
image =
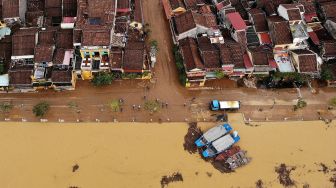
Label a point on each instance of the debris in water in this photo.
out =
(193, 134)
(324, 167)
(75, 168)
(209, 174)
(165, 180)
(259, 184)
(306, 185)
(333, 180)
(221, 166)
(284, 175)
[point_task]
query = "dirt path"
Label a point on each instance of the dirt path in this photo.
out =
(256, 104)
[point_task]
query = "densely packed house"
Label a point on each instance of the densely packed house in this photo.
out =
(52, 43)
(249, 37)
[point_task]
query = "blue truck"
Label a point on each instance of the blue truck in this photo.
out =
(217, 105)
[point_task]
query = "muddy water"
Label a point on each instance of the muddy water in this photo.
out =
(138, 155)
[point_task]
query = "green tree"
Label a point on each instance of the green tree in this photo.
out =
(2, 69)
(219, 74)
(152, 106)
(332, 102)
(300, 104)
(155, 44)
(103, 79)
(41, 109)
(326, 73)
(114, 105)
(5, 107)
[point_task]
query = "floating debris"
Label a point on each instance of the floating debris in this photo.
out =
(166, 180)
(324, 169)
(284, 175)
(259, 184)
(75, 167)
(193, 134)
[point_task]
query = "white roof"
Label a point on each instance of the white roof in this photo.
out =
(229, 104)
(214, 133)
(4, 80)
(223, 143)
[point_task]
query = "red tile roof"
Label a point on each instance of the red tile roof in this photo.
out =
(24, 42)
(44, 53)
(259, 20)
(265, 38)
(279, 30)
(10, 8)
(188, 20)
(307, 61)
(236, 20)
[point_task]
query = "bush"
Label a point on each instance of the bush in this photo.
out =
(41, 109)
(103, 79)
(300, 104)
(180, 65)
(6, 107)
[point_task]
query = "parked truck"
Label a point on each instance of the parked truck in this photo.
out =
(216, 105)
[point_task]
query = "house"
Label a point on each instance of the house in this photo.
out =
(262, 59)
(134, 58)
(53, 10)
(117, 58)
(305, 62)
(192, 4)
(258, 18)
(310, 14)
(291, 12)
(210, 56)
(14, 10)
(280, 32)
(92, 35)
(173, 7)
(233, 59)
(23, 45)
(237, 27)
(191, 23)
(327, 10)
(20, 75)
(192, 62)
(328, 50)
